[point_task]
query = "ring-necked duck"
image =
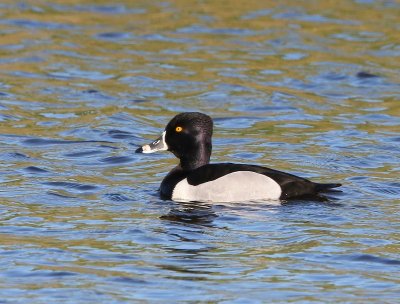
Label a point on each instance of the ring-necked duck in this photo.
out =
(188, 136)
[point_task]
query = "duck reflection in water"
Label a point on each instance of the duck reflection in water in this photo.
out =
(197, 213)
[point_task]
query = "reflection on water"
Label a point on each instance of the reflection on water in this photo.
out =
(309, 88)
(196, 213)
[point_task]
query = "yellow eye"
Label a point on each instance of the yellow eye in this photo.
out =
(178, 129)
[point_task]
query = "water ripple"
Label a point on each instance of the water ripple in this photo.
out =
(310, 88)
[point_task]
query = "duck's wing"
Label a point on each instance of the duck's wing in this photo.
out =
(291, 185)
(211, 172)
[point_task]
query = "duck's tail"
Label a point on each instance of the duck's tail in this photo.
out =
(326, 187)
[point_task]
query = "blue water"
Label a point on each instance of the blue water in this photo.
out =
(307, 88)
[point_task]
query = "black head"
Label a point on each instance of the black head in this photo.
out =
(187, 132)
(188, 136)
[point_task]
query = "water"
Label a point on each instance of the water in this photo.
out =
(311, 88)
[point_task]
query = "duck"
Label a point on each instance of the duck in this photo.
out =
(189, 137)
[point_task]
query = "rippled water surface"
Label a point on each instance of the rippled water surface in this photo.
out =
(308, 87)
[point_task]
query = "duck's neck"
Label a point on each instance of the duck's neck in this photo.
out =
(197, 158)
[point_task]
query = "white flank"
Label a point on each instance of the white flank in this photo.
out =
(233, 187)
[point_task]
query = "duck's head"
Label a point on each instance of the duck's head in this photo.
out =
(188, 136)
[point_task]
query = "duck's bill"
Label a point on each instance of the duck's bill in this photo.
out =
(158, 145)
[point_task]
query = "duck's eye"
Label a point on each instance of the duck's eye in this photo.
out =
(178, 129)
